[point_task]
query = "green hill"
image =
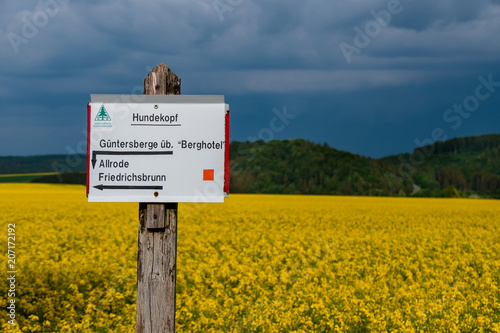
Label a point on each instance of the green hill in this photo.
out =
(471, 165)
(300, 166)
(459, 167)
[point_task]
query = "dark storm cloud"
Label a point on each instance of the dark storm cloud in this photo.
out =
(260, 54)
(429, 14)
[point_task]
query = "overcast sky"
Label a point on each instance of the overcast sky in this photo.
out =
(370, 77)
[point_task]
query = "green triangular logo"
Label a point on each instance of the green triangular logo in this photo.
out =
(102, 115)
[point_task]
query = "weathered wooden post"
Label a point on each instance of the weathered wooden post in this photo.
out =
(157, 249)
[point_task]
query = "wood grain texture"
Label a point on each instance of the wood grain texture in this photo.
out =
(157, 248)
(155, 218)
(162, 81)
(156, 272)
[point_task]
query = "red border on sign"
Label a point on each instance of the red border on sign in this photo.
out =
(88, 146)
(226, 157)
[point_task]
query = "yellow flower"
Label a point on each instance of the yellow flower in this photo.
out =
(260, 263)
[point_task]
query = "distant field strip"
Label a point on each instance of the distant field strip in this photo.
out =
(27, 174)
(260, 263)
(23, 177)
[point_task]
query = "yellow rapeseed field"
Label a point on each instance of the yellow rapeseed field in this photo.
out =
(259, 263)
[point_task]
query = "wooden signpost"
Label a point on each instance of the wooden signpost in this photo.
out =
(158, 151)
(157, 249)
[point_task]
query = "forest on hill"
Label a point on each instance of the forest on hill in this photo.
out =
(460, 167)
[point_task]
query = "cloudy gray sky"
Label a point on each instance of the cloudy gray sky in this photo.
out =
(372, 77)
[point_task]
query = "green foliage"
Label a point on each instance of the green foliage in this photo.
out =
(302, 167)
(467, 165)
(451, 192)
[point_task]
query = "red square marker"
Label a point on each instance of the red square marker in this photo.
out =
(208, 174)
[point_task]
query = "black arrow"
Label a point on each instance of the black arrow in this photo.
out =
(102, 152)
(127, 187)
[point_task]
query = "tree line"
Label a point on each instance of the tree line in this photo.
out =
(458, 167)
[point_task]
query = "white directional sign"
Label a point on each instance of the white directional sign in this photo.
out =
(151, 148)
